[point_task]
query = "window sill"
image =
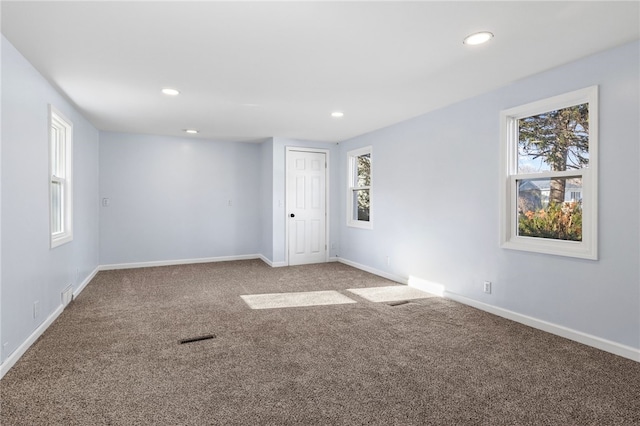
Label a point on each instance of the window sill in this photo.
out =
(575, 249)
(360, 224)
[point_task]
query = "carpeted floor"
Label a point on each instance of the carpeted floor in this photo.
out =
(113, 357)
(295, 299)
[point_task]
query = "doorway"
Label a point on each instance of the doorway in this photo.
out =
(306, 192)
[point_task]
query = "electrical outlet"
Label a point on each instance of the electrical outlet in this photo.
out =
(487, 287)
(388, 261)
(36, 309)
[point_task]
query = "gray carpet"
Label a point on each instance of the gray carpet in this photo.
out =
(393, 293)
(113, 357)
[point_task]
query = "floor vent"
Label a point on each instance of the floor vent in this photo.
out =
(403, 302)
(197, 339)
(67, 296)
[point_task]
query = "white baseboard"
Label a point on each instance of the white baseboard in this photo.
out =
(568, 333)
(85, 282)
(426, 286)
(114, 266)
(374, 271)
(270, 263)
(15, 356)
(558, 330)
(333, 259)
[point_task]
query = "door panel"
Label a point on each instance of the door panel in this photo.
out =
(306, 201)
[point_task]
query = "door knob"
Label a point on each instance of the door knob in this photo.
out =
(292, 215)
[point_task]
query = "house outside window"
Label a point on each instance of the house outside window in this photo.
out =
(359, 190)
(549, 175)
(60, 178)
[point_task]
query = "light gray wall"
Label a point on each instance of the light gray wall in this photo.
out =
(169, 198)
(31, 271)
(266, 192)
(436, 205)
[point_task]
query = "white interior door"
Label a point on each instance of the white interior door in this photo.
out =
(306, 207)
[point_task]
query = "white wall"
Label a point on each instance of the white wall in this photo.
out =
(31, 271)
(266, 191)
(169, 198)
(436, 206)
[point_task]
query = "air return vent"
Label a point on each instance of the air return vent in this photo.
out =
(67, 296)
(197, 339)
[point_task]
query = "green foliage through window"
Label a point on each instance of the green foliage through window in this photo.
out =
(560, 221)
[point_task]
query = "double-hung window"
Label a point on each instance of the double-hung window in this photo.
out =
(549, 175)
(359, 190)
(60, 174)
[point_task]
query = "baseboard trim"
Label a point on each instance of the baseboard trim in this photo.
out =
(270, 263)
(559, 330)
(374, 271)
(568, 333)
(115, 266)
(85, 282)
(17, 354)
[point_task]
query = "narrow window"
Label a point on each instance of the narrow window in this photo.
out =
(60, 184)
(359, 190)
(549, 194)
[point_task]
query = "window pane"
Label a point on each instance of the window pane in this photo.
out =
(363, 163)
(361, 205)
(554, 141)
(55, 151)
(550, 208)
(56, 207)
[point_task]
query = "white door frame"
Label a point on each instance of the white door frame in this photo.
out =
(288, 149)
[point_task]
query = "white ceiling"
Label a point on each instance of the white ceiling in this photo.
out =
(250, 70)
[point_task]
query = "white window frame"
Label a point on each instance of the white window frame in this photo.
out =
(351, 172)
(509, 239)
(60, 127)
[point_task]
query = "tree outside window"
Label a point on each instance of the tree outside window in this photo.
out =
(553, 141)
(359, 191)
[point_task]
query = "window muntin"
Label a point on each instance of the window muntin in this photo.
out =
(549, 163)
(359, 191)
(555, 140)
(60, 185)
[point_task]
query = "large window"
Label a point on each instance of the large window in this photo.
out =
(359, 191)
(549, 175)
(60, 185)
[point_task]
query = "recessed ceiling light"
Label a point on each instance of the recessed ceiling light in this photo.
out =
(191, 131)
(337, 114)
(478, 38)
(169, 91)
